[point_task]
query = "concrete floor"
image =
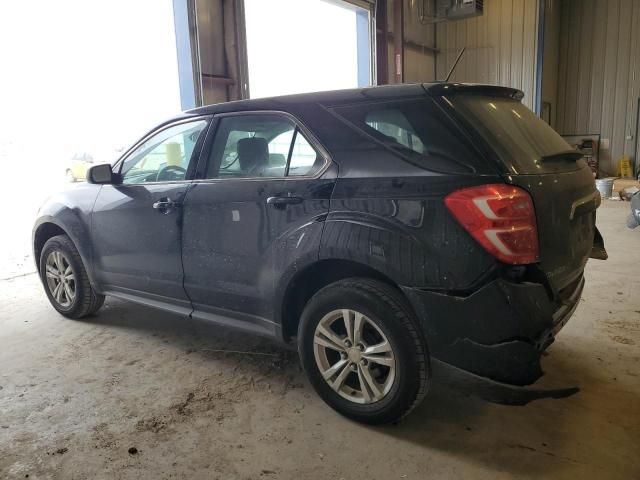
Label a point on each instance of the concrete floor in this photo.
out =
(75, 396)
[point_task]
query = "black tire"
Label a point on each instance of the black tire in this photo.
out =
(86, 301)
(388, 309)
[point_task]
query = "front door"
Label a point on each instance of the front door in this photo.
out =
(136, 225)
(261, 198)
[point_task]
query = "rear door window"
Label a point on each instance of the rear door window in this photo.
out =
(261, 145)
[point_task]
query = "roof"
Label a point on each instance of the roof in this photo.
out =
(356, 95)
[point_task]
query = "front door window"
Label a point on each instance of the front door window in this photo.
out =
(165, 156)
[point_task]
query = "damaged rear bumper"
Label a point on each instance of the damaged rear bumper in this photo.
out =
(497, 333)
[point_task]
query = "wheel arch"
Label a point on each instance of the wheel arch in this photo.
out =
(316, 276)
(41, 234)
(48, 227)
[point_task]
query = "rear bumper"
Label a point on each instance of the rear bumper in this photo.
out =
(499, 332)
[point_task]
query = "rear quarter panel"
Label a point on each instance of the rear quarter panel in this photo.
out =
(396, 222)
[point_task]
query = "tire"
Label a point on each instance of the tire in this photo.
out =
(79, 299)
(400, 384)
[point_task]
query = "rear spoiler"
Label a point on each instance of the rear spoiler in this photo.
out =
(441, 89)
(563, 155)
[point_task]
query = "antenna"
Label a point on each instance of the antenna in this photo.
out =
(455, 64)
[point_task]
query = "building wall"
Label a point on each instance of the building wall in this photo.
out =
(419, 35)
(599, 74)
(550, 57)
(500, 46)
(419, 43)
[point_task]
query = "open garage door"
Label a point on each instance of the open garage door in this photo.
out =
(296, 46)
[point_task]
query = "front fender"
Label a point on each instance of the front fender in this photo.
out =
(71, 213)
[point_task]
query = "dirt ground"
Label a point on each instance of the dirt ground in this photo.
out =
(137, 393)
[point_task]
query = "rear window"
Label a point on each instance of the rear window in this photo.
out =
(419, 131)
(518, 136)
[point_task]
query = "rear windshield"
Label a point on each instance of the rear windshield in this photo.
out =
(419, 131)
(518, 136)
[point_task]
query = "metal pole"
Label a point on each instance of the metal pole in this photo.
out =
(398, 39)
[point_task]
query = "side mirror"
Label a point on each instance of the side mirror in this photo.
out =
(102, 175)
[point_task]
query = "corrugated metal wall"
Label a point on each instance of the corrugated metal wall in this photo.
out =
(419, 59)
(599, 74)
(550, 61)
(501, 46)
(419, 46)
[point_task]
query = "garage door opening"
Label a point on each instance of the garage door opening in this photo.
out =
(296, 46)
(83, 81)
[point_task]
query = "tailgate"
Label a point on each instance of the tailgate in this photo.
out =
(531, 155)
(565, 206)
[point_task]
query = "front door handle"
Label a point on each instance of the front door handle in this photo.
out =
(281, 202)
(166, 205)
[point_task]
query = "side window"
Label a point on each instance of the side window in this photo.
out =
(304, 159)
(250, 146)
(260, 145)
(417, 130)
(163, 157)
(393, 124)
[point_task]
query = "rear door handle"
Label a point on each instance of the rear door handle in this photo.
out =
(283, 201)
(166, 205)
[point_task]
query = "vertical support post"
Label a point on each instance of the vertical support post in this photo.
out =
(382, 42)
(539, 58)
(241, 48)
(190, 94)
(362, 45)
(398, 39)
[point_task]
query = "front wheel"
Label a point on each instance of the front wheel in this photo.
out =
(65, 279)
(362, 352)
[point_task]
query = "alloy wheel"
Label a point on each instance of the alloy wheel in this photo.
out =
(354, 356)
(61, 279)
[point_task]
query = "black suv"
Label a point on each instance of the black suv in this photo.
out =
(384, 230)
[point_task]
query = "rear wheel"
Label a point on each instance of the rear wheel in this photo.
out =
(65, 279)
(362, 352)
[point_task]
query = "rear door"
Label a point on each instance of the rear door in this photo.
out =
(533, 156)
(256, 209)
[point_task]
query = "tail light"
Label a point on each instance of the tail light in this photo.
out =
(501, 218)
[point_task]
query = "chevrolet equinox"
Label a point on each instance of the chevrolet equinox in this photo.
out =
(379, 230)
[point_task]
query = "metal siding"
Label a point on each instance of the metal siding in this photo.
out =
(550, 57)
(562, 67)
(632, 145)
(529, 51)
(517, 27)
(621, 97)
(504, 57)
(501, 46)
(584, 66)
(599, 74)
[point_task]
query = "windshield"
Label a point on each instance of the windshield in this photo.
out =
(518, 136)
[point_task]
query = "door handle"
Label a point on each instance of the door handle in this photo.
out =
(281, 202)
(166, 205)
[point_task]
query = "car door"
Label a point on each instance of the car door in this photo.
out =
(256, 209)
(136, 225)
